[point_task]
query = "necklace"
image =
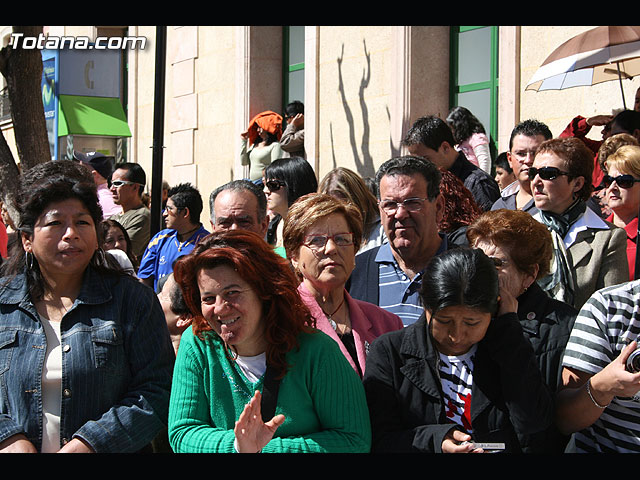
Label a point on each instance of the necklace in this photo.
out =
(329, 315)
(180, 244)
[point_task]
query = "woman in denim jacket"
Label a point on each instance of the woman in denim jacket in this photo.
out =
(85, 355)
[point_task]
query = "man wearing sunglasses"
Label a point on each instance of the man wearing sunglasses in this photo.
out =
(589, 253)
(411, 206)
(525, 138)
(127, 185)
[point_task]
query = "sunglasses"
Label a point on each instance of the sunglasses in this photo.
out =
(546, 173)
(119, 183)
(623, 181)
(275, 185)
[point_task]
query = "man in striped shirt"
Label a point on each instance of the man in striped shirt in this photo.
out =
(410, 207)
(599, 400)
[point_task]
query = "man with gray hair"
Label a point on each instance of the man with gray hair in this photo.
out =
(239, 204)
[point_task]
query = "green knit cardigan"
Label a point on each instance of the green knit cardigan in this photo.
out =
(321, 397)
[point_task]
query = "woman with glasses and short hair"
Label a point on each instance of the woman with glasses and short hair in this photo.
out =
(252, 374)
(321, 237)
(285, 180)
(622, 195)
(589, 253)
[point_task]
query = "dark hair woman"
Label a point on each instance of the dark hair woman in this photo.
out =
(100, 376)
(251, 327)
(463, 375)
(285, 181)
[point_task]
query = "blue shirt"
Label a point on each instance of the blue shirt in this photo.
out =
(398, 293)
(163, 249)
(117, 363)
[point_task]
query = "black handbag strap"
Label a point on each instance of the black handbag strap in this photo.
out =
(269, 394)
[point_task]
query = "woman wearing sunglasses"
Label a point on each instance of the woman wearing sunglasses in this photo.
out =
(589, 253)
(622, 184)
(252, 374)
(321, 237)
(285, 180)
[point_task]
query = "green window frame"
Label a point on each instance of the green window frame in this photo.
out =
(293, 64)
(464, 85)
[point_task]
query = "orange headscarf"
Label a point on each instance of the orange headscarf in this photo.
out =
(269, 121)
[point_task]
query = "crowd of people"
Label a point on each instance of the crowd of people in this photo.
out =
(457, 302)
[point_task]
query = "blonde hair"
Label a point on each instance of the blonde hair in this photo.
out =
(613, 143)
(625, 159)
(347, 185)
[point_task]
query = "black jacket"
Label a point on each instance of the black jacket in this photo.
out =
(483, 187)
(404, 394)
(547, 324)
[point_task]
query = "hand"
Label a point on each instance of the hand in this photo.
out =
(245, 135)
(614, 380)
(507, 303)
(76, 445)
(599, 120)
(17, 444)
(298, 120)
(252, 434)
(454, 442)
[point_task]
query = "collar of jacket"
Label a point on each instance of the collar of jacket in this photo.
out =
(94, 289)
(422, 371)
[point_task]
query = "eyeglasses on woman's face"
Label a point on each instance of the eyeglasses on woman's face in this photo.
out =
(546, 173)
(318, 242)
(623, 181)
(275, 185)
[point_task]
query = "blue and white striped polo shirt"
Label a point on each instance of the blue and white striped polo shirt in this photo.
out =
(398, 293)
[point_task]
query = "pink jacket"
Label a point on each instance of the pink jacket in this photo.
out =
(368, 321)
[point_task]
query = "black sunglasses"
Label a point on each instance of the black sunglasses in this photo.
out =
(546, 173)
(623, 181)
(275, 185)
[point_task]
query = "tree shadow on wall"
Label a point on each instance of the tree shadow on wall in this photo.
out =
(362, 158)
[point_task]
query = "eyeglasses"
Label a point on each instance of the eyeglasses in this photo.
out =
(413, 204)
(319, 242)
(171, 209)
(119, 183)
(623, 181)
(546, 173)
(275, 185)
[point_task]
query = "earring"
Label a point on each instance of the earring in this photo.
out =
(28, 260)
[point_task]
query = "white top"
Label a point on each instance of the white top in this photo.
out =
(253, 367)
(51, 387)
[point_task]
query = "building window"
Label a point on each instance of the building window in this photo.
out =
(293, 62)
(474, 75)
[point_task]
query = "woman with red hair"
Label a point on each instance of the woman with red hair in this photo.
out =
(253, 374)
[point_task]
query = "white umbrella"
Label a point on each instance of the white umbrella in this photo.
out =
(598, 55)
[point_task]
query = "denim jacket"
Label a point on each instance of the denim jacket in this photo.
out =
(117, 363)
